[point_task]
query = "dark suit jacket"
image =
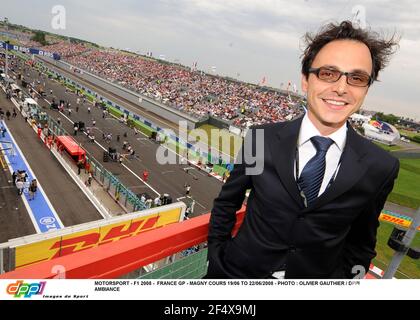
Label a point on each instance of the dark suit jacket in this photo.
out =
(327, 239)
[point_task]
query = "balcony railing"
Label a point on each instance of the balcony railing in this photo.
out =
(120, 258)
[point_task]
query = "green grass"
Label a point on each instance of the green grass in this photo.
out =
(403, 200)
(227, 142)
(411, 165)
(406, 190)
(410, 135)
(407, 133)
(386, 147)
(409, 268)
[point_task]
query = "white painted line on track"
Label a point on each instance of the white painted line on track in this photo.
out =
(140, 179)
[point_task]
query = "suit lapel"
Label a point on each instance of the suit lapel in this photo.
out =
(283, 154)
(351, 170)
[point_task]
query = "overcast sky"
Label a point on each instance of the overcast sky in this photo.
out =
(244, 39)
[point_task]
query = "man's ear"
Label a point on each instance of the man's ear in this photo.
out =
(304, 83)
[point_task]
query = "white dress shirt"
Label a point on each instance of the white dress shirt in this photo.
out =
(307, 150)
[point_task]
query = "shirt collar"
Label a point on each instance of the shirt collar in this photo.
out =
(308, 130)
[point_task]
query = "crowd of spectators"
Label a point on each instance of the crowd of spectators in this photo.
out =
(66, 49)
(192, 92)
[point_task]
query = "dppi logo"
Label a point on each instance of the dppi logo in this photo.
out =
(27, 290)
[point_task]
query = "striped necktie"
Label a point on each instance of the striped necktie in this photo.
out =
(312, 175)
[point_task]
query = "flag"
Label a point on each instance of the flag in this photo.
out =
(194, 66)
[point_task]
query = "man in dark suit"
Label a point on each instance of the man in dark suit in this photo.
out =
(313, 209)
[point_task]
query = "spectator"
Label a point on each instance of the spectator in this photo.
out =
(157, 202)
(145, 175)
(14, 175)
(20, 184)
(89, 179)
(79, 166)
(187, 212)
(143, 198)
(149, 203)
(33, 187)
(187, 189)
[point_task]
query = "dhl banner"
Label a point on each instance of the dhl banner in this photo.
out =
(65, 241)
(37, 248)
(395, 218)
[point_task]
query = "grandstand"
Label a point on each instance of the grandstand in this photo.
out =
(184, 89)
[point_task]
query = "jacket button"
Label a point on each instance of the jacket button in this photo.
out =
(292, 249)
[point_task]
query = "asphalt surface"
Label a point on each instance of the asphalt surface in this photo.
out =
(68, 200)
(400, 209)
(14, 219)
(167, 178)
(408, 147)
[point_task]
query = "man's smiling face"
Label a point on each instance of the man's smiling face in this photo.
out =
(331, 104)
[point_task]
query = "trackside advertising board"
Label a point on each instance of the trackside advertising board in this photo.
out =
(37, 248)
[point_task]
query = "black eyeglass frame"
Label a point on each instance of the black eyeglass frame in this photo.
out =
(316, 72)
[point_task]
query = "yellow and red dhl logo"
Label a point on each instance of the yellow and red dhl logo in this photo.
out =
(67, 246)
(395, 220)
(64, 245)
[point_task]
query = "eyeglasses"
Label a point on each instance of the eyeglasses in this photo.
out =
(357, 79)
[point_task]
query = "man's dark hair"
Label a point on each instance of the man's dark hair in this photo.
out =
(380, 49)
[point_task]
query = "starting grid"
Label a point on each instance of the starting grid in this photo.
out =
(41, 212)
